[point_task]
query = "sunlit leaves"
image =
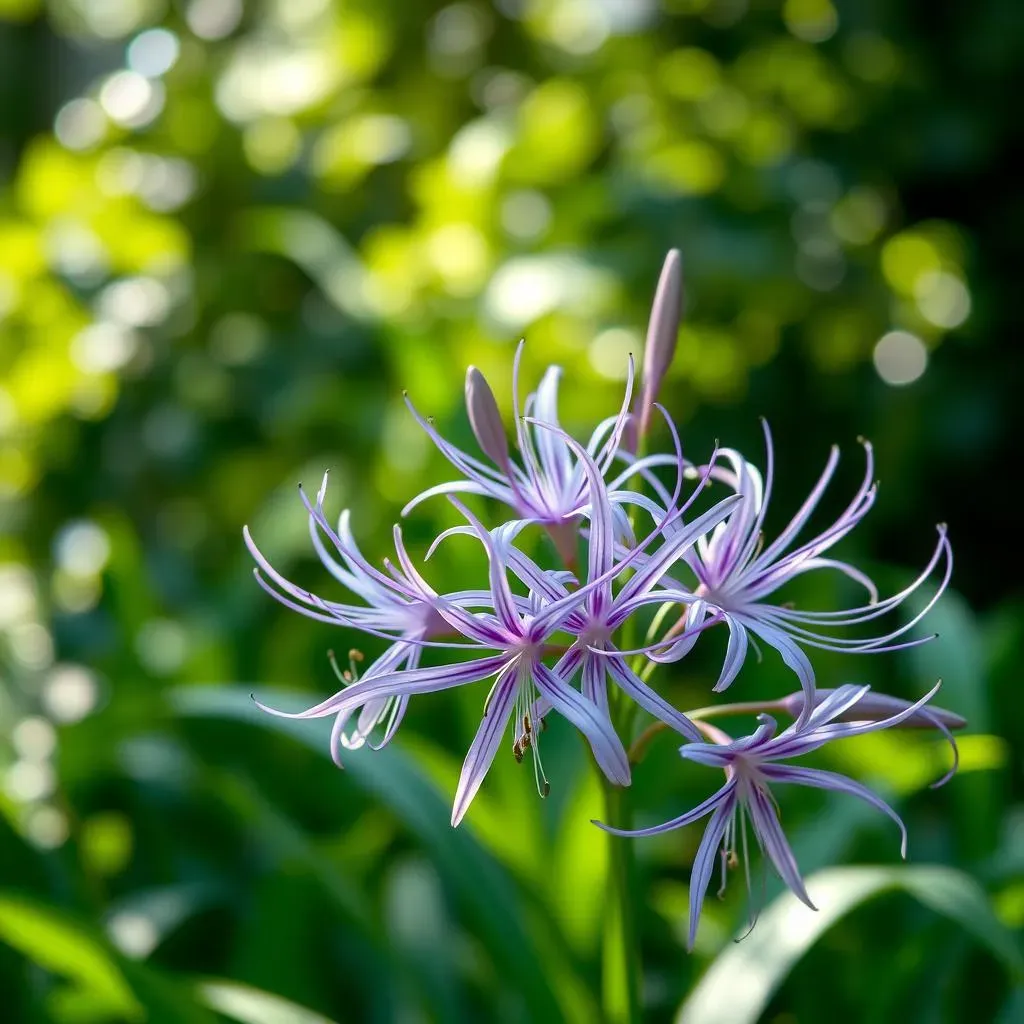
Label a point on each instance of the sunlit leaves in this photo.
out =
(65, 947)
(737, 987)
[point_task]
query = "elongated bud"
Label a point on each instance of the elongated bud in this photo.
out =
(484, 417)
(662, 334)
(873, 707)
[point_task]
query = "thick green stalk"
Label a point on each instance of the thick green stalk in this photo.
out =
(621, 953)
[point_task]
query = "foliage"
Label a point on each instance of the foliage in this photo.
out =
(231, 234)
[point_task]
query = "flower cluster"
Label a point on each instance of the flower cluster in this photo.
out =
(625, 545)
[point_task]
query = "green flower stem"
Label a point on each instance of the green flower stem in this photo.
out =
(621, 952)
(750, 707)
(621, 967)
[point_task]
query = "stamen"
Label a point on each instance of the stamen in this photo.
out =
(723, 865)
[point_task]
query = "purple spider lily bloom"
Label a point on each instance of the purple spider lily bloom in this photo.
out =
(550, 487)
(594, 623)
(518, 632)
(737, 572)
(395, 608)
(595, 620)
(750, 767)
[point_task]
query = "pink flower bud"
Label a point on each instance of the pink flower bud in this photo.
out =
(874, 707)
(662, 334)
(484, 417)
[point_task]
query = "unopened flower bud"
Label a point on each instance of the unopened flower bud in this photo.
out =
(484, 417)
(873, 707)
(662, 334)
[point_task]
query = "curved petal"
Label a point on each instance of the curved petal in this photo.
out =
(704, 860)
(735, 654)
(410, 681)
(773, 841)
(636, 689)
(716, 799)
(794, 658)
(586, 716)
(500, 491)
(485, 743)
(821, 779)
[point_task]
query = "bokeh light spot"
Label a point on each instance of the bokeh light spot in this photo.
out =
(213, 19)
(34, 738)
(900, 358)
(70, 693)
(153, 53)
(811, 20)
(942, 299)
(82, 548)
(80, 124)
(609, 352)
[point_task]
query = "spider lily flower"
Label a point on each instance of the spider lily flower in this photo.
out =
(751, 766)
(549, 487)
(395, 608)
(595, 621)
(512, 638)
(738, 573)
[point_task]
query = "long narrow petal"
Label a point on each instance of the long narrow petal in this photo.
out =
(602, 538)
(465, 463)
(595, 683)
(554, 459)
(794, 658)
(735, 654)
(421, 680)
(704, 860)
(773, 841)
(485, 743)
(796, 524)
(499, 491)
(317, 513)
(504, 605)
(821, 779)
(335, 619)
(716, 799)
(648, 574)
(605, 455)
(831, 704)
(635, 688)
(586, 716)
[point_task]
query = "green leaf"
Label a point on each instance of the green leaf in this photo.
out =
(493, 905)
(253, 1006)
(787, 930)
(57, 943)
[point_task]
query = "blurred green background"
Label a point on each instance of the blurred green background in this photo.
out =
(230, 235)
